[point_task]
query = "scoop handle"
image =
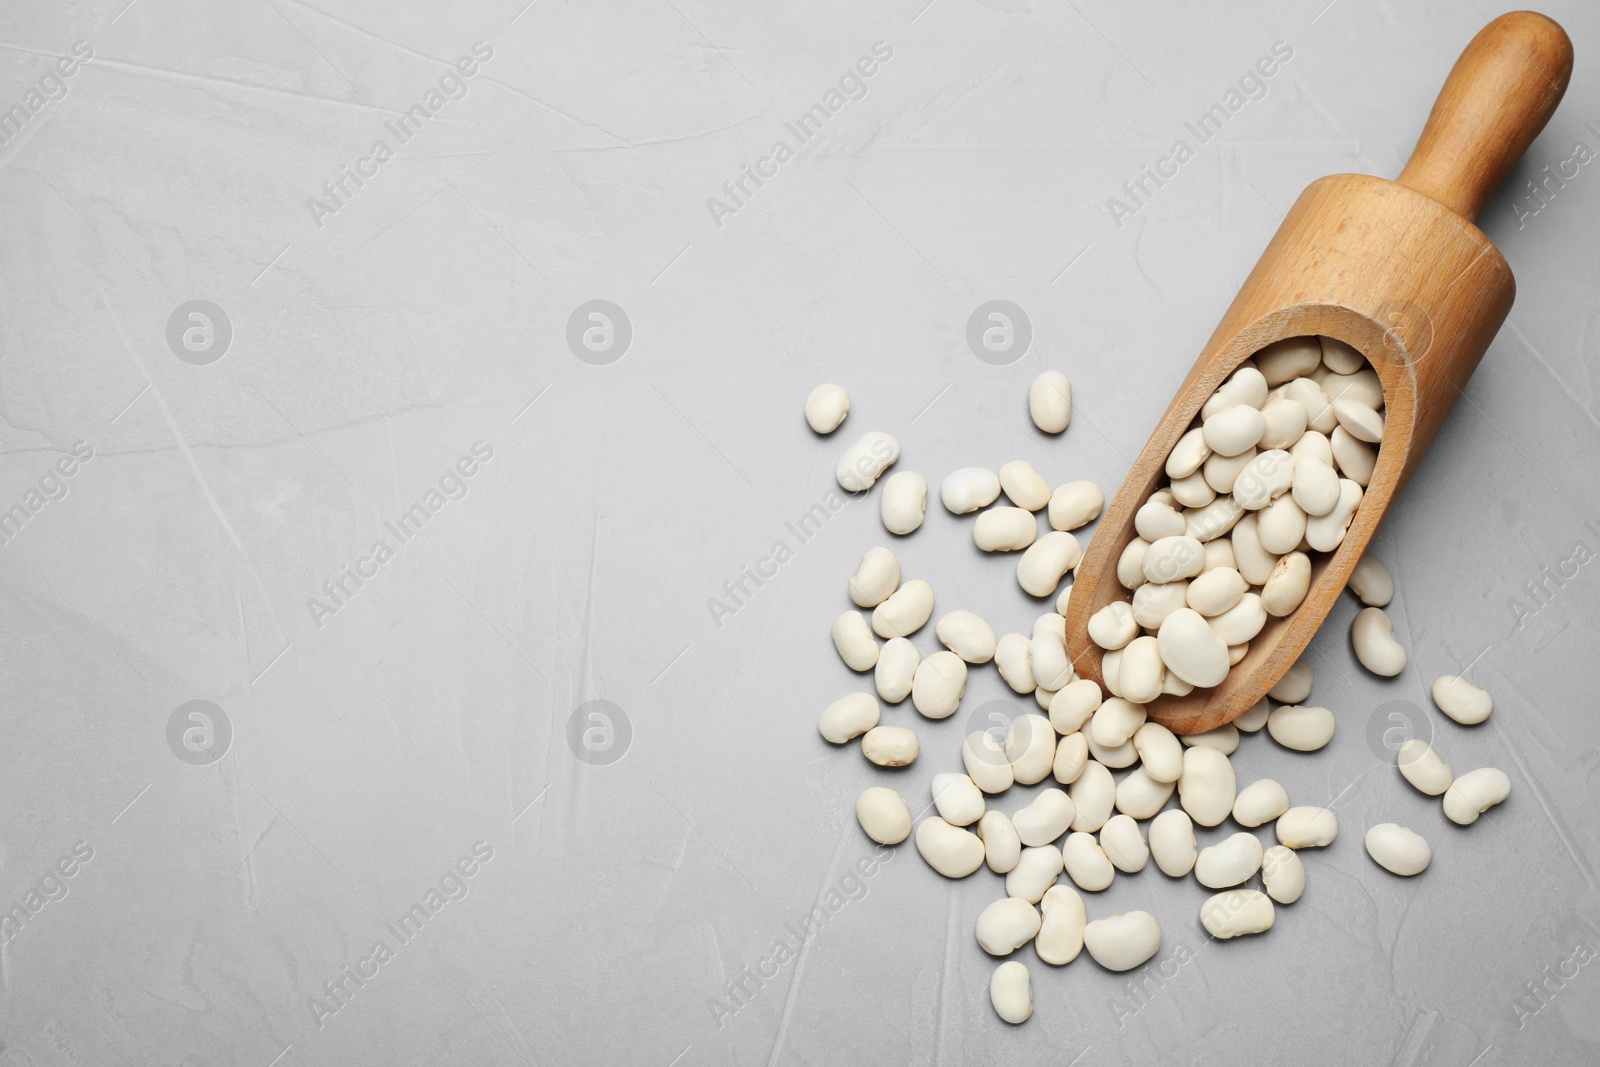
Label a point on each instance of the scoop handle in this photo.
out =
(1499, 95)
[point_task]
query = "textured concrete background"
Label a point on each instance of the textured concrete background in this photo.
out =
(628, 859)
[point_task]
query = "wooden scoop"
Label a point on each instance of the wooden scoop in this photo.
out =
(1395, 269)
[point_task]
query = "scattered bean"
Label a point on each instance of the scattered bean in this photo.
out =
(848, 718)
(826, 408)
(883, 814)
(1461, 700)
(1398, 850)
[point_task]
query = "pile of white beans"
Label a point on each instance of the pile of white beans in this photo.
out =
(1089, 824)
(1271, 470)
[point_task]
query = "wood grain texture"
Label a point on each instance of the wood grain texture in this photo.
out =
(1395, 270)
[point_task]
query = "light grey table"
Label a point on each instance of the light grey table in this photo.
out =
(397, 747)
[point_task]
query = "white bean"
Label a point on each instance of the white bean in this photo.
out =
(1232, 430)
(1326, 532)
(1356, 459)
(967, 635)
(864, 461)
(968, 489)
(1075, 504)
(938, 684)
(1229, 862)
(1424, 768)
(1140, 675)
(906, 610)
(1047, 561)
(1299, 728)
(1123, 942)
(1094, 795)
(1141, 796)
(1398, 849)
(1307, 827)
(1340, 357)
(1264, 479)
(957, 799)
(1123, 844)
(1071, 707)
(1156, 519)
(1309, 395)
(1256, 718)
(876, 577)
(1130, 563)
(1474, 793)
(1172, 843)
(896, 670)
(950, 850)
(1215, 591)
(1002, 849)
(1245, 386)
(1115, 757)
(826, 408)
(1371, 582)
(1288, 359)
(1036, 871)
(1240, 623)
(1153, 603)
(1282, 874)
(1159, 751)
(890, 746)
(1188, 454)
(1007, 925)
(1024, 486)
(1113, 626)
(1060, 936)
(883, 814)
(1222, 472)
(1110, 663)
(1359, 421)
(1461, 700)
(1280, 525)
(1011, 992)
(1259, 803)
(1316, 486)
(1045, 819)
(1287, 586)
(1005, 529)
(1214, 520)
(1294, 686)
(848, 718)
(1047, 656)
(1362, 385)
(1072, 755)
(1172, 558)
(1285, 421)
(1236, 913)
(1115, 722)
(905, 502)
(1086, 863)
(1372, 637)
(1031, 748)
(1254, 562)
(1193, 491)
(1207, 786)
(1192, 649)
(1224, 738)
(853, 638)
(984, 756)
(1050, 401)
(1014, 657)
(1312, 445)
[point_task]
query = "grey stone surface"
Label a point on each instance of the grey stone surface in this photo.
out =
(533, 684)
